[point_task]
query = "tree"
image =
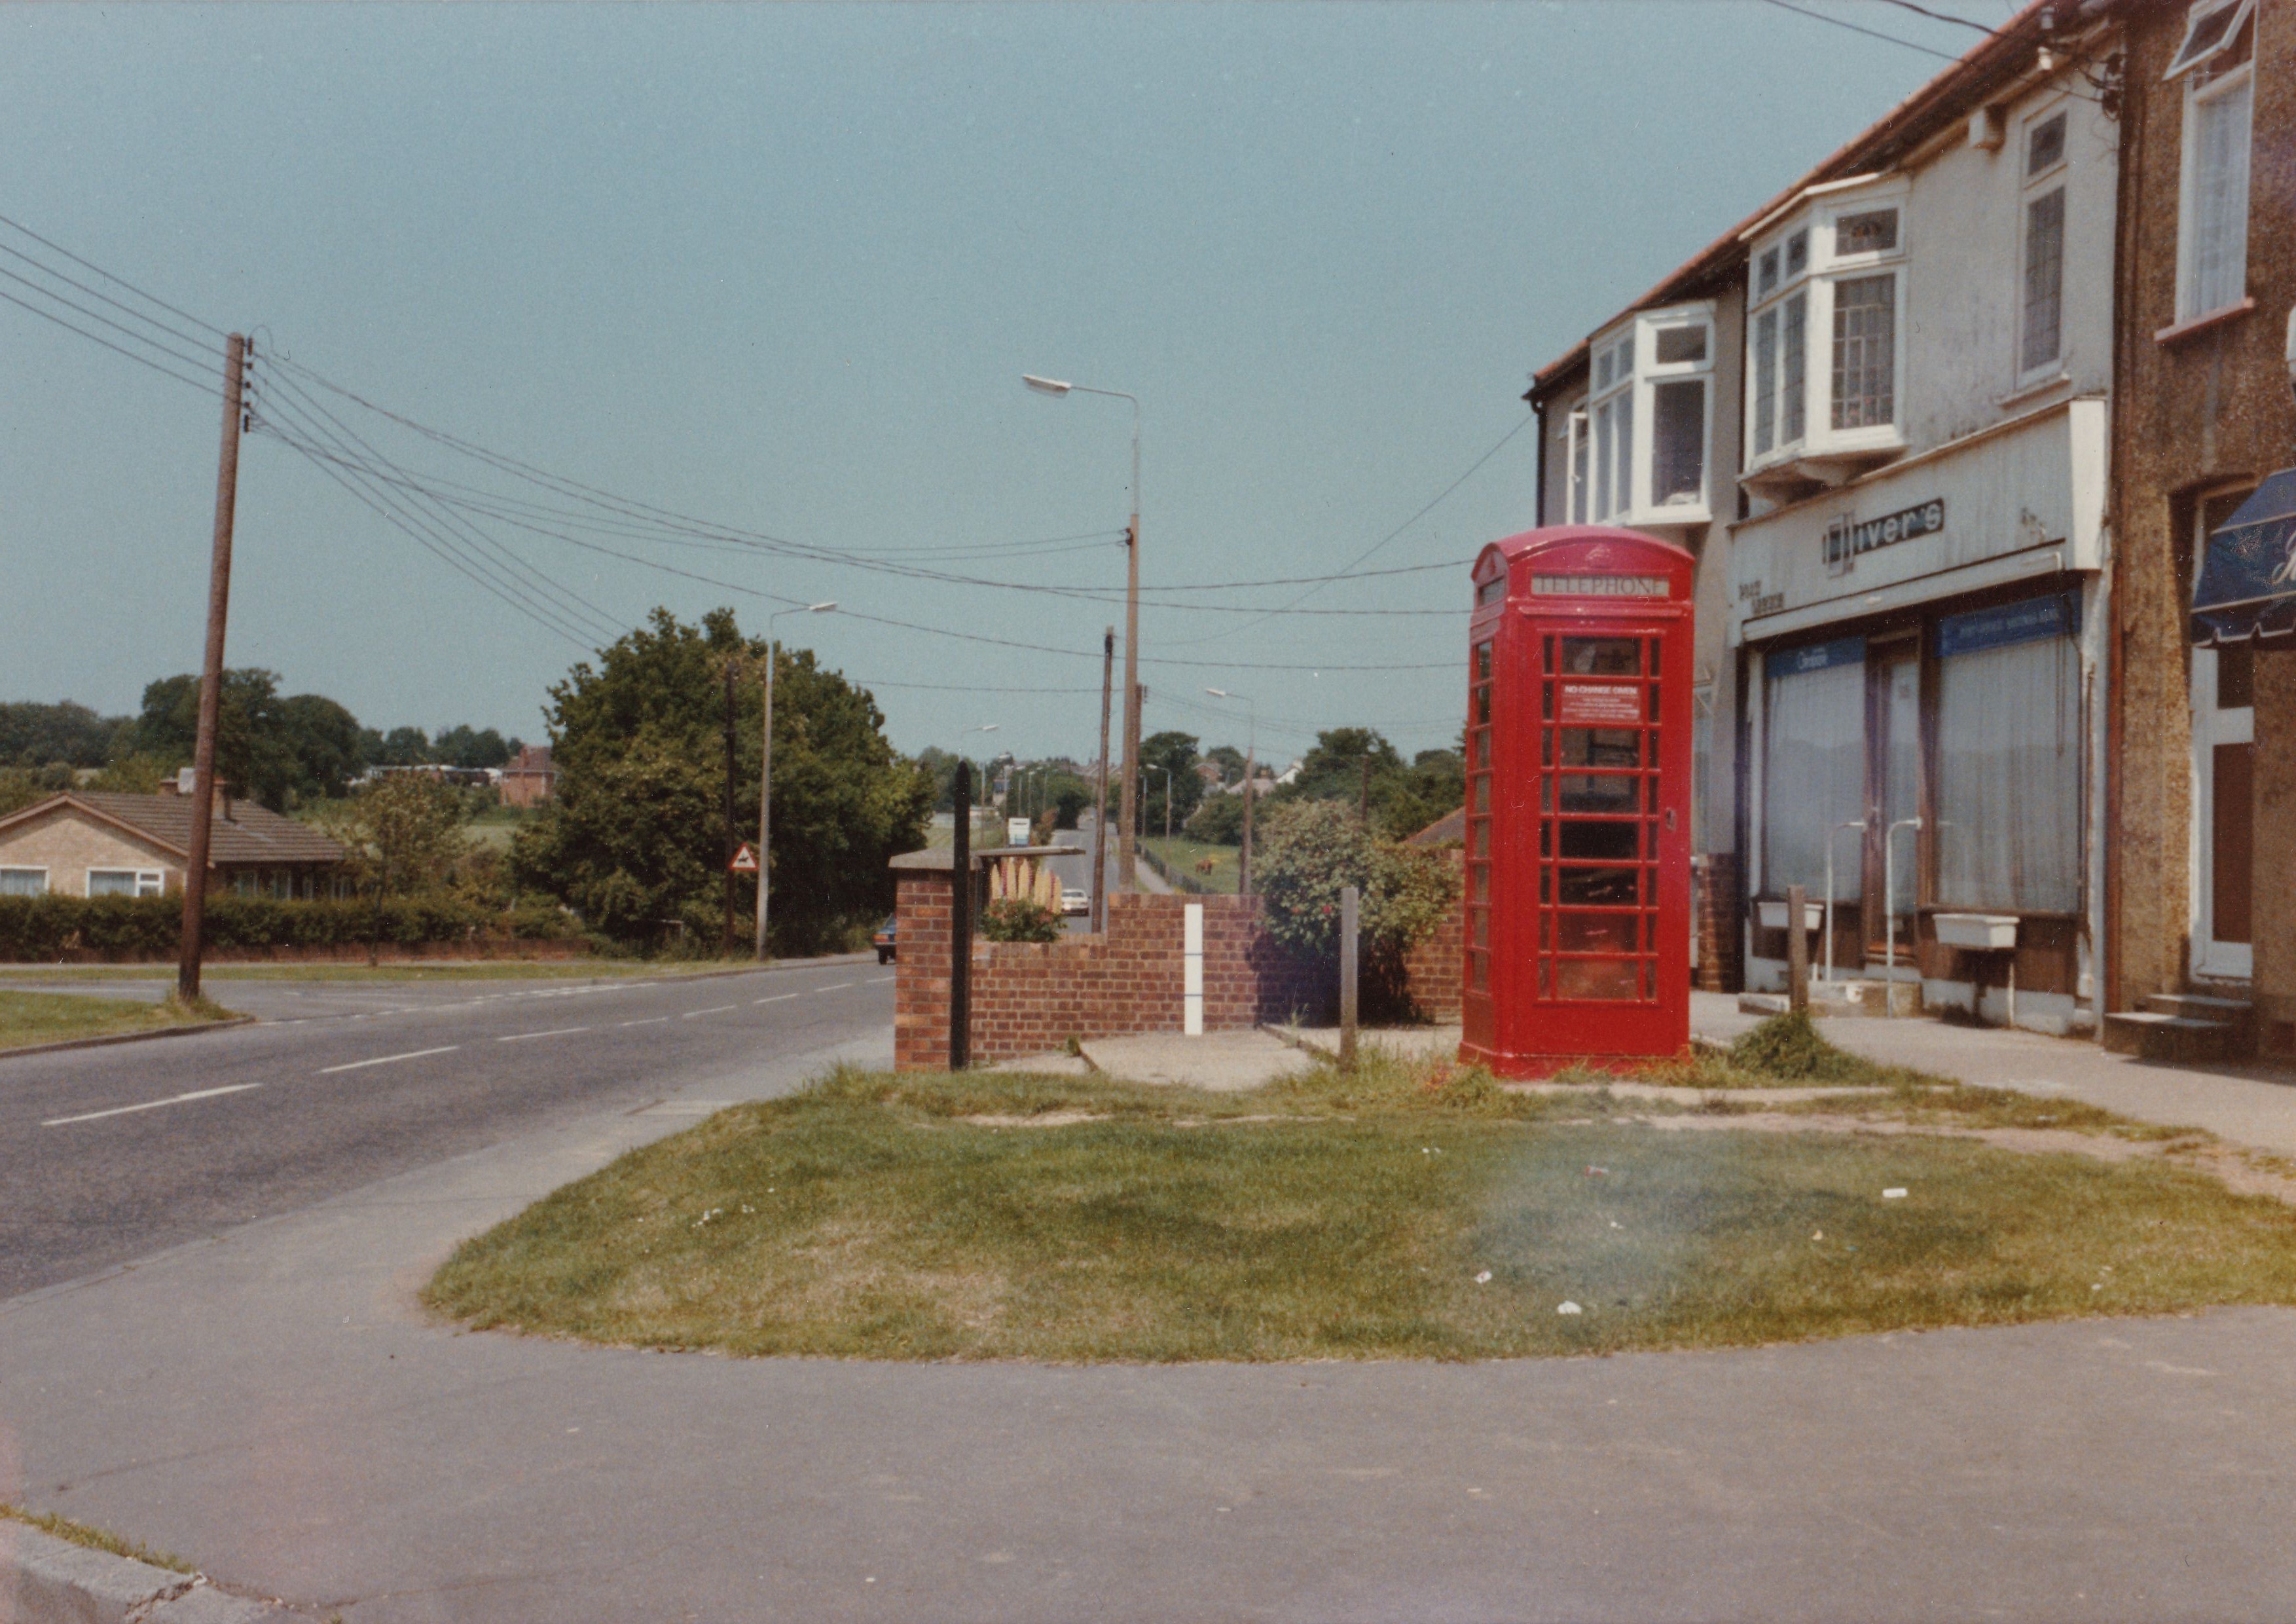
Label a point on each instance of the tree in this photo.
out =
(323, 738)
(635, 834)
(460, 746)
(403, 834)
(38, 736)
(400, 747)
(1218, 821)
(1173, 753)
(1436, 783)
(280, 751)
(1231, 762)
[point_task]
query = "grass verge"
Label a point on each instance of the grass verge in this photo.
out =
(93, 1539)
(1184, 856)
(1401, 1211)
(451, 970)
(27, 1018)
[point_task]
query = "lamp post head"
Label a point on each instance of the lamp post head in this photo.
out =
(815, 609)
(1218, 692)
(1045, 386)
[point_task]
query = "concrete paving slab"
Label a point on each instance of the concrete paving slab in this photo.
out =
(1408, 1043)
(2250, 1106)
(1226, 1062)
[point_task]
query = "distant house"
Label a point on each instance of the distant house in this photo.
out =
(82, 843)
(1448, 830)
(529, 779)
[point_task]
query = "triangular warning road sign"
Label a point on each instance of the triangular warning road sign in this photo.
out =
(745, 861)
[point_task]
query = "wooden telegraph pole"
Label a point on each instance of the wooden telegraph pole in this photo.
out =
(733, 835)
(1100, 793)
(227, 505)
(960, 923)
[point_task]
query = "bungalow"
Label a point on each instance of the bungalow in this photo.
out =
(82, 843)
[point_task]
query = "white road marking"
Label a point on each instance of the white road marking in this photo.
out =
(881, 980)
(556, 1031)
(384, 1059)
(121, 1110)
(840, 986)
(649, 1021)
(715, 1009)
(779, 997)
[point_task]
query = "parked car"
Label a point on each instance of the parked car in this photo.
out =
(883, 939)
(1074, 901)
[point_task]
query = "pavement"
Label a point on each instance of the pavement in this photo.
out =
(270, 1400)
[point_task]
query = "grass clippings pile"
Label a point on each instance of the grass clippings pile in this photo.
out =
(1401, 1211)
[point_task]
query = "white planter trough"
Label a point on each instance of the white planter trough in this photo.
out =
(1774, 915)
(1983, 931)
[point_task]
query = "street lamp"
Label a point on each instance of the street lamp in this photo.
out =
(1126, 860)
(765, 771)
(1168, 796)
(972, 811)
(1250, 749)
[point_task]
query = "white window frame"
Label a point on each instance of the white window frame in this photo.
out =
(2034, 186)
(2218, 961)
(2200, 88)
(148, 881)
(1824, 268)
(1630, 397)
(27, 868)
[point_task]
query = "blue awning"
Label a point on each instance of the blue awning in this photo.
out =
(2248, 576)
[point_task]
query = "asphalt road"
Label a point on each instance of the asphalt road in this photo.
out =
(109, 1154)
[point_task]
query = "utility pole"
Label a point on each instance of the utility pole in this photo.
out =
(1243, 857)
(766, 801)
(732, 836)
(1100, 793)
(960, 923)
(227, 505)
(1126, 852)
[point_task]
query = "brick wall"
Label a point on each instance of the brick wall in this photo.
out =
(1028, 997)
(1433, 969)
(1717, 900)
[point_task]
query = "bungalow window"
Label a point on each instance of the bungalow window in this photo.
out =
(2212, 195)
(23, 881)
(125, 882)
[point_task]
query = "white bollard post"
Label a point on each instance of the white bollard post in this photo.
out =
(1192, 969)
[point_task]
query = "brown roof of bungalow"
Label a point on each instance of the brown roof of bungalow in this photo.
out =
(2001, 56)
(252, 834)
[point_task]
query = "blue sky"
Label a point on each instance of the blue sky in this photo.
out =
(782, 268)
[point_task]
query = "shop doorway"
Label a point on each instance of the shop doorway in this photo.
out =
(1893, 860)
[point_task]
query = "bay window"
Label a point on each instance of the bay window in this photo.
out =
(1639, 443)
(1829, 282)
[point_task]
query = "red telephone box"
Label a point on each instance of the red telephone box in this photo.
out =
(1579, 764)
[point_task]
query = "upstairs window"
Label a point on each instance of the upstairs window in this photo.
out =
(2214, 63)
(1638, 452)
(2040, 325)
(1829, 282)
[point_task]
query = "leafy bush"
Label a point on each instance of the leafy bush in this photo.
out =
(1312, 849)
(1218, 821)
(1788, 1046)
(1016, 919)
(43, 929)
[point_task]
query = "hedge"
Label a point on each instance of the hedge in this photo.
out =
(35, 930)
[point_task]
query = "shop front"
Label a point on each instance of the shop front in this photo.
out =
(1919, 653)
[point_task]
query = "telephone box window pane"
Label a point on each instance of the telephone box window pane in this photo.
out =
(1602, 747)
(1482, 882)
(1482, 662)
(1595, 932)
(1482, 792)
(1601, 842)
(1482, 707)
(1478, 971)
(1483, 839)
(1545, 795)
(1602, 656)
(1596, 978)
(1599, 887)
(1594, 793)
(1482, 927)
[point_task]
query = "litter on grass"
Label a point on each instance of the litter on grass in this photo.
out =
(1484, 1278)
(1568, 1308)
(1594, 1172)
(1893, 1195)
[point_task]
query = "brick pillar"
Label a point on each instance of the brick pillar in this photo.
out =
(921, 972)
(1719, 921)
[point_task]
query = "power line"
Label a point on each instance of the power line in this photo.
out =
(1843, 22)
(116, 280)
(205, 388)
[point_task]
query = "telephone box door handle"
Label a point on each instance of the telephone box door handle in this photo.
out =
(1669, 819)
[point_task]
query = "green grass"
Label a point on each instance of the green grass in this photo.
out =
(476, 970)
(1332, 1217)
(1182, 855)
(93, 1539)
(27, 1018)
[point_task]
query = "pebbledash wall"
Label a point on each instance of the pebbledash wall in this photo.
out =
(1028, 997)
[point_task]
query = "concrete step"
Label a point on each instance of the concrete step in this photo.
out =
(2172, 1039)
(2237, 1013)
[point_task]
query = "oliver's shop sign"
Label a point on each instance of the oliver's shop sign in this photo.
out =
(1846, 537)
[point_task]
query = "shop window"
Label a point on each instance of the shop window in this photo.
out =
(2008, 730)
(2214, 61)
(1814, 765)
(23, 881)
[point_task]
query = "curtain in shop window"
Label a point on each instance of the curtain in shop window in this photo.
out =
(2008, 797)
(1814, 772)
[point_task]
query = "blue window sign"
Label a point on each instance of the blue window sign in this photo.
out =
(1818, 657)
(2057, 615)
